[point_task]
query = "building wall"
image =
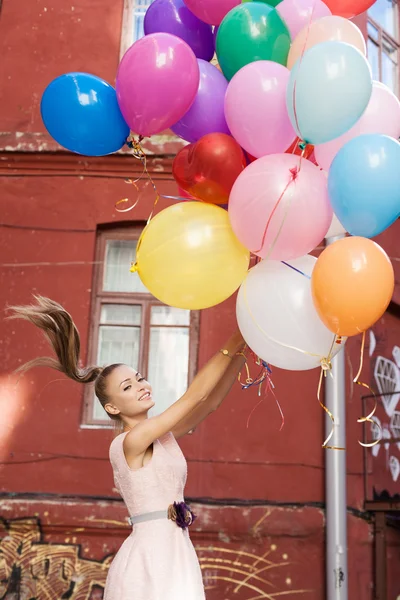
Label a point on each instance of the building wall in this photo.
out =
(259, 492)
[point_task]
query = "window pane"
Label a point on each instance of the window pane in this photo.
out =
(118, 258)
(166, 315)
(385, 13)
(140, 10)
(120, 314)
(168, 365)
(118, 345)
(373, 59)
(373, 33)
(389, 72)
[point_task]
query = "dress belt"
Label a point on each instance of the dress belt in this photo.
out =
(179, 512)
(151, 516)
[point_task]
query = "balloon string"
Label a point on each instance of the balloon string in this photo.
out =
(139, 154)
(303, 50)
(293, 176)
(326, 367)
(263, 376)
(325, 362)
(369, 417)
(294, 269)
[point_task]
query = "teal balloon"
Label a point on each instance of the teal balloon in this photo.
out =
(329, 89)
(251, 31)
(270, 2)
(364, 184)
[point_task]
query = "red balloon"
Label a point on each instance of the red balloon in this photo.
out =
(348, 8)
(296, 149)
(208, 169)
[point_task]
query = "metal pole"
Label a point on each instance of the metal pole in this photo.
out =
(335, 480)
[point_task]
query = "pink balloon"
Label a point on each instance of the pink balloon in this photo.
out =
(157, 81)
(299, 13)
(382, 115)
(211, 11)
(255, 108)
(279, 207)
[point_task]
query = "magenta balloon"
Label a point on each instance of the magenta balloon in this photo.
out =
(284, 198)
(255, 108)
(173, 16)
(206, 115)
(299, 13)
(382, 115)
(157, 81)
(211, 11)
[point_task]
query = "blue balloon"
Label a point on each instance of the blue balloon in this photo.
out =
(81, 112)
(328, 90)
(364, 184)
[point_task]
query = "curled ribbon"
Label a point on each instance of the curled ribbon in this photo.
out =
(368, 418)
(325, 362)
(264, 375)
(139, 154)
(326, 367)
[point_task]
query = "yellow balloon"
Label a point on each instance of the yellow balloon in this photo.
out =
(189, 257)
(327, 29)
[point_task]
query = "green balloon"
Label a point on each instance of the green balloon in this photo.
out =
(270, 2)
(251, 31)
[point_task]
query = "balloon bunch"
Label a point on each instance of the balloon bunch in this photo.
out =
(285, 126)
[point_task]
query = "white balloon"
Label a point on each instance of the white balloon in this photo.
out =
(335, 229)
(277, 318)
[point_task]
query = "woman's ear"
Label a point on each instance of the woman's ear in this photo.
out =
(111, 409)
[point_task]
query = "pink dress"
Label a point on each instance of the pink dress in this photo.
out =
(157, 561)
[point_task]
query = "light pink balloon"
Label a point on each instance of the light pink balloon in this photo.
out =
(211, 11)
(299, 13)
(297, 223)
(255, 108)
(382, 115)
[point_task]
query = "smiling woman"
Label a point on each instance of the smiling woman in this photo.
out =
(149, 467)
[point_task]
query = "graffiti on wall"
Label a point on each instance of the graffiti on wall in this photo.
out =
(387, 423)
(31, 569)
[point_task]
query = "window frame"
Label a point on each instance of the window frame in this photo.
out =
(100, 297)
(384, 36)
(128, 20)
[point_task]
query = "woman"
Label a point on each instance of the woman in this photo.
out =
(157, 561)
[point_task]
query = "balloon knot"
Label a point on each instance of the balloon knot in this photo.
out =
(326, 365)
(133, 268)
(294, 172)
(302, 145)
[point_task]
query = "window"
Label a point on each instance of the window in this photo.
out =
(384, 42)
(130, 326)
(132, 25)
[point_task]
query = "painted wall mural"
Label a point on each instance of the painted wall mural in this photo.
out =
(31, 569)
(386, 464)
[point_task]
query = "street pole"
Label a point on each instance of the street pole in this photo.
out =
(335, 479)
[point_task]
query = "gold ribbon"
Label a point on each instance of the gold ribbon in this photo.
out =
(139, 154)
(368, 418)
(325, 363)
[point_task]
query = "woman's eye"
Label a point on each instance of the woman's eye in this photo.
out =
(141, 379)
(128, 387)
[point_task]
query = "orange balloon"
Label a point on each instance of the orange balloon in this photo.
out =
(352, 284)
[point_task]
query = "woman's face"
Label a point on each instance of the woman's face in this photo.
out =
(128, 392)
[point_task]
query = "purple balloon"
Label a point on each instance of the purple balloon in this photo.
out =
(157, 82)
(215, 33)
(206, 115)
(173, 16)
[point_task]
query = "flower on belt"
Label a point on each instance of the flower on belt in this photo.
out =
(180, 513)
